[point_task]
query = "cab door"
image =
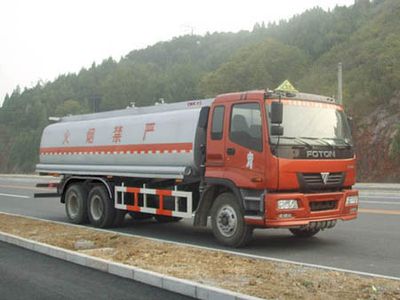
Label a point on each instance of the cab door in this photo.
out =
(244, 145)
(215, 158)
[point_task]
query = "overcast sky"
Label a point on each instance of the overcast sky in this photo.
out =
(41, 39)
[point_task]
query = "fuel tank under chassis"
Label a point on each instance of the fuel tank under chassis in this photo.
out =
(156, 142)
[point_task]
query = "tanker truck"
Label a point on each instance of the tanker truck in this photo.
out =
(256, 159)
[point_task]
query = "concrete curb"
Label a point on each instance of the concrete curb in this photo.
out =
(176, 285)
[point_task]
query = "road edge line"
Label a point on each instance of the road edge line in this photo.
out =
(166, 282)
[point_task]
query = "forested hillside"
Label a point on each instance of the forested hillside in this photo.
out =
(305, 49)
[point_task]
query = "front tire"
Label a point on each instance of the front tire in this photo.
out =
(227, 219)
(303, 232)
(101, 209)
(76, 204)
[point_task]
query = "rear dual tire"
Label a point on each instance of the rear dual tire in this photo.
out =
(95, 206)
(101, 211)
(76, 204)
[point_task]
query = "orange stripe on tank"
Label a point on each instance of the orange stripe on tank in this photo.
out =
(144, 148)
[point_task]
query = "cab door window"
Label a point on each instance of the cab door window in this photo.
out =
(245, 127)
(217, 126)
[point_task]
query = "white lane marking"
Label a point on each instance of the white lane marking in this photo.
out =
(324, 267)
(379, 194)
(380, 202)
(15, 196)
(397, 197)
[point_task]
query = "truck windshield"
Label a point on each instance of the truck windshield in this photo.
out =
(306, 122)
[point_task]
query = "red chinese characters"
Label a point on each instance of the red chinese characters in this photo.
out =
(67, 135)
(148, 127)
(117, 135)
(90, 135)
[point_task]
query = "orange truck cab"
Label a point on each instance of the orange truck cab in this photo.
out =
(288, 157)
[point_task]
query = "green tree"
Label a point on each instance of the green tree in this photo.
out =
(71, 107)
(260, 66)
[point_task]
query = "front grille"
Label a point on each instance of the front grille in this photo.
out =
(314, 181)
(323, 205)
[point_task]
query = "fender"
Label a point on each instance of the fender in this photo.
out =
(65, 183)
(214, 186)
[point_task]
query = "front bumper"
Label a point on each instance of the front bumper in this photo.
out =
(304, 214)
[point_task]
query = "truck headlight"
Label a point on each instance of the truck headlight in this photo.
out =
(287, 204)
(352, 200)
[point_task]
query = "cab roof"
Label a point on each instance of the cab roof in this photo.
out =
(268, 94)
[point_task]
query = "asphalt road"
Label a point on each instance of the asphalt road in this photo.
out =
(26, 274)
(369, 244)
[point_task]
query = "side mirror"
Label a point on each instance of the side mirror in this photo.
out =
(276, 130)
(276, 112)
(350, 122)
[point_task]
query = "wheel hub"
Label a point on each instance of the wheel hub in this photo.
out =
(96, 208)
(227, 221)
(73, 206)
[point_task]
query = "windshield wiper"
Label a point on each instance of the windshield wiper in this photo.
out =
(340, 140)
(297, 139)
(320, 140)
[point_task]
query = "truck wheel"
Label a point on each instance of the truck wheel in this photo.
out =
(101, 210)
(166, 219)
(304, 233)
(227, 219)
(76, 204)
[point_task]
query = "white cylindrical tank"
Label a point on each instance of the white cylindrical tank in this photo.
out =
(153, 141)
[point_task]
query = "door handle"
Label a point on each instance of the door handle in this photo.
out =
(230, 151)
